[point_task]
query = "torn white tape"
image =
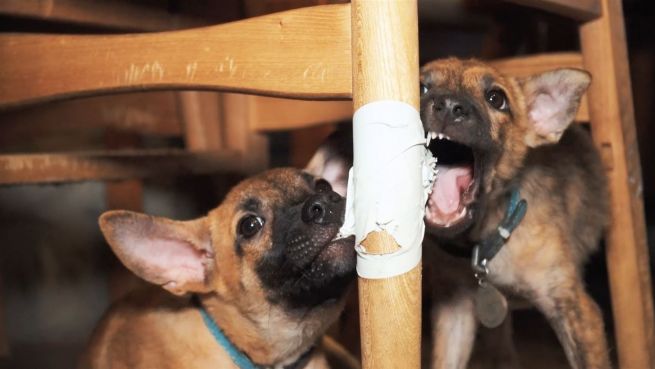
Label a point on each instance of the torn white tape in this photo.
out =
(388, 185)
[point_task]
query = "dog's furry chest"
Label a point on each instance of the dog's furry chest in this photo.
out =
(566, 195)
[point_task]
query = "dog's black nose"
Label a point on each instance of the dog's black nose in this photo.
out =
(323, 208)
(451, 107)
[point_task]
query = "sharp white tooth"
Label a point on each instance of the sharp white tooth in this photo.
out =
(441, 136)
(433, 135)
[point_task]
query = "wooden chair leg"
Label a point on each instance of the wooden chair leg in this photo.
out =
(304, 143)
(4, 340)
(385, 67)
(201, 113)
(613, 127)
(237, 123)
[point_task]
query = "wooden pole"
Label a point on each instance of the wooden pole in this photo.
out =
(4, 341)
(613, 127)
(385, 67)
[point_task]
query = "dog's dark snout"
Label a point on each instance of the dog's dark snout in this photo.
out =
(323, 208)
(451, 107)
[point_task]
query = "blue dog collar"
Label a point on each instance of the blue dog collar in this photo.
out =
(239, 358)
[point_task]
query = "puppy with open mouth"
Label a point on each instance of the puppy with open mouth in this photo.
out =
(259, 280)
(519, 203)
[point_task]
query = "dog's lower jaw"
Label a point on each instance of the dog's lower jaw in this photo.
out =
(255, 330)
(302, 284)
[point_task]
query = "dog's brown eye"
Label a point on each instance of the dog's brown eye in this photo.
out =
(497, 100)
(322, 186)
(250, 225)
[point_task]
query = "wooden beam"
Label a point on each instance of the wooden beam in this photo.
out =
(237, 120)
(582, 10)
(273, 114)
(605, 55)
(201, 114)
(304, 142)
(119, 15)
(148, 113)
(113, 165)
(303, 53)
(385, 67)
(534, 64)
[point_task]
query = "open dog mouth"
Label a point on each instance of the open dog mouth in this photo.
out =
(456, 183)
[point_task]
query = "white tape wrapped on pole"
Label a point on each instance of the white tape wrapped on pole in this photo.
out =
(388, 186)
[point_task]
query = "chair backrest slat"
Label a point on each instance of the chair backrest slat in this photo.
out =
(302, 53)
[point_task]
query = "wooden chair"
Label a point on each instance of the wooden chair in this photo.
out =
(325, 52)
(610, 108)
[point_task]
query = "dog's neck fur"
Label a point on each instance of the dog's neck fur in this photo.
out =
(255, 330)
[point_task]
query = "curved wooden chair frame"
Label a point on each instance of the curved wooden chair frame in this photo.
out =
(363, 51)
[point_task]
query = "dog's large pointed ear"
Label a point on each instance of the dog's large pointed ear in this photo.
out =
(333, 159)
(174, 254)
(552, 100)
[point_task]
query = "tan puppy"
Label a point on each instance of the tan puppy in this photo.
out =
(497, 137)
(264, 266)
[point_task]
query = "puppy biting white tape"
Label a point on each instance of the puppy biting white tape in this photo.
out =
(388, 185)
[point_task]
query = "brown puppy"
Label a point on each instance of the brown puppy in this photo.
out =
(496, 136)
(264, 266)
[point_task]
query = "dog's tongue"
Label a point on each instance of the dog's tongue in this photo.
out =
(448, 188)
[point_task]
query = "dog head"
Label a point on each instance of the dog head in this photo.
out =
(271, 241)
(483, 124)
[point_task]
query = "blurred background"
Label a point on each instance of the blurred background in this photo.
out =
(57, 276)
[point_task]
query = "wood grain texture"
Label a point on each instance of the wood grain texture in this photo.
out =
(303, 53)
(582, 10)
(202, 117)
(121, 15)
(114, 165)
(385, 67)
(303, 143)
(611, 110)
(151, 113)
(237, 119)
(273, 114)
(528, 65)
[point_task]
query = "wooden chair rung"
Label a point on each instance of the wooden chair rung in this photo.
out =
(148, 113)
(114, 165)
(581, 10)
